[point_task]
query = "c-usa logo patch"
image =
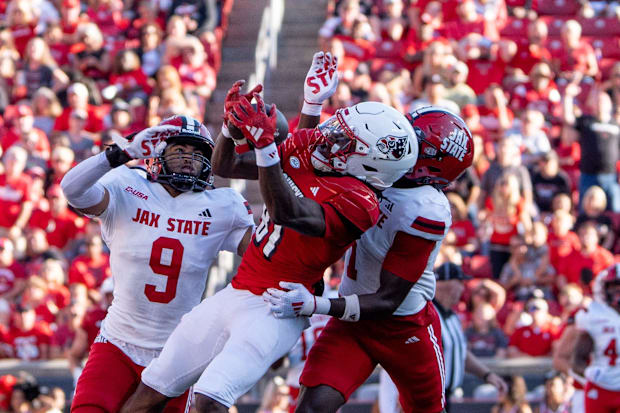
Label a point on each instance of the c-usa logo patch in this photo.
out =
(294, 161)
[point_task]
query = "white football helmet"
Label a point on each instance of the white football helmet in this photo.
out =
(371, 141)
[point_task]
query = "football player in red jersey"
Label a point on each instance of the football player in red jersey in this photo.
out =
(164, 229)
(390, 274)
(597, 352)
(319, 192)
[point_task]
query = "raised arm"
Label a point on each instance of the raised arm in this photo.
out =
(80, 184)
(284, 207)
(231, 157)
(320, 84)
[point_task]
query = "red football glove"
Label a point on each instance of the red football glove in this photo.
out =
(233, 96)
(257, 126)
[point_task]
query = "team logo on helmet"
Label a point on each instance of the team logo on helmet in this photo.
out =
(455, 144)
(395, 147)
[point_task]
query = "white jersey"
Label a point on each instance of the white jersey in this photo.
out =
(602, 323)
(423, 212)
(161, 248)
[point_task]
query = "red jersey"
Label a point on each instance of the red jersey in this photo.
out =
(26, 344)
(464, 231)
(561, 247)
(534, 341)
(12, 137)
(94, 122)
(89, 272)
(12, 195)
(572, 266)
(9, 274)
(529, 54)
(61, 229)
(282, 254)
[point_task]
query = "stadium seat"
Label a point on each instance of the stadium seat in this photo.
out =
(558, 7)
(514, 28)
(554, 23)
(600, 26)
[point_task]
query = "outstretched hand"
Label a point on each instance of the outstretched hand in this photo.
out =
(322, 78)
(257, 126)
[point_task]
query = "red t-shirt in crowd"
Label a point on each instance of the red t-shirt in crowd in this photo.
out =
(60, 229)
(504, 227)
(561, 247)
(94, 122)
(528, 55)
(574, 60)
(12, 195)
(21, 36)
(12, 137)
(132, 79)
(90, 272)
(9, 274)
(464, 231)
(572, 266)
(483, 72)
(534, 341)
(26, 344)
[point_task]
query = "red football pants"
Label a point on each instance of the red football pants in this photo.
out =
(109, 379)
(600, 400)
(408, 348)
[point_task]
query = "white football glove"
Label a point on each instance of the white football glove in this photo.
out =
(290, 304)
(321, 82)
(148, 143)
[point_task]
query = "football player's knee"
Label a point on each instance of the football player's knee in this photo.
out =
(205, 404)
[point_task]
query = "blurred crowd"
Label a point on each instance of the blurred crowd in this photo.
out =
(72, 74)
(538, 83)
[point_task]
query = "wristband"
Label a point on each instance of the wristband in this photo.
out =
(311, 109)
(267, 156)
(351, 308)
(322, 305)
(225, 132)
(241, 146)
(116, 156)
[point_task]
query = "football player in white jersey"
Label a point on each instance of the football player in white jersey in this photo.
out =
(164, 229)
(390, 270)
(597, 353)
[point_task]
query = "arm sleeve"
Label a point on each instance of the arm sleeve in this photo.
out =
(243, 219)
(408, 256)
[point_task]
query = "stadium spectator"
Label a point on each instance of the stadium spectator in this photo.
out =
(348, 12)
(92, 268)
(531, 50)
(61, 161)
(128, 79)
(459, 91)
(462, 227)
(574, 58)
(436, 60)
(151, 50)
(562, 241)
(14, 198)
(594, 204)
(536, 338)
(528, 133)
(580, 266)
(434, 94)
(508, 160)
(29, 338)
(505, 214)
(24, 133)
(555, 397)
(12, 273)
(484, 338)
(77, 97)
(45, 108)
(599, 138)
(61, 224)
(514, 400)
(548, 180)
(38, 70)
(89, 57)
(539, 92)
(21, 19)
